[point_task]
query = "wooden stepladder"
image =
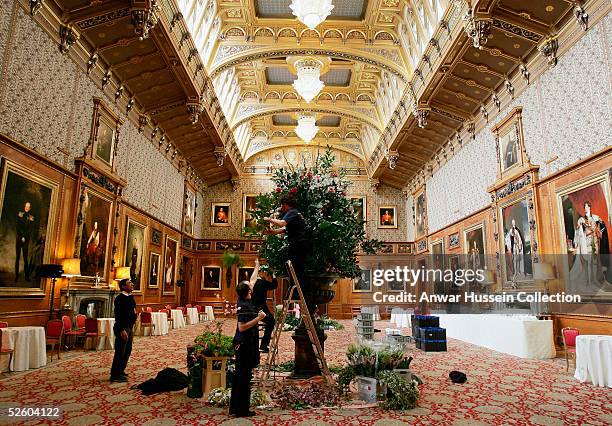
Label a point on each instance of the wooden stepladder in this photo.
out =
(268, 366)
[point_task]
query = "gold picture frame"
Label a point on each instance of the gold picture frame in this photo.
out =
(248, 203)
(102, 148)
(387, 217)
(40, 194)
(189, 210)
(475, 245)
(153, 269)
(363, 284)
(510, 145)
(211, 274)
(583, 272)
(362, 210)
(135, 241)
(171, 250)
(420, 213)
(94, 250)
(516, 242)
(221, 214)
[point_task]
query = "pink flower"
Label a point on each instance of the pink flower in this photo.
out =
(331, 189)
(334, 174)
(293, 190)
(278, 190)
(309, 175)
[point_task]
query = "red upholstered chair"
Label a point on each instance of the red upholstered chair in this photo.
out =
(201, 314)
(54, 335)
(188, 305)
(149, 309)
(182, 309)
(169, 307)
(69, 332)
(4, 351)
(569, 335)
(146, 321)
(3, 324)
(91, 331)
(168, 314)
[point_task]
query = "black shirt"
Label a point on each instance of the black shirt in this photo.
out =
(260, 292)
(125, 315)
(248, 340)
(295, 229)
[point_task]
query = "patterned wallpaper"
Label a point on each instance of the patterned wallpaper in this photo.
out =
(385, 196)
(59, 126)
(566, 114)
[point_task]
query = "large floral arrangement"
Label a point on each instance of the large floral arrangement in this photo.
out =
(211, 343)
(336, 233)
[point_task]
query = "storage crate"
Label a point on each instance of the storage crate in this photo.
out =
(365, 316)
(365, 322)
(361, 330)
(366, 388)
(367, 336)
(424, 321)
(432, 333)
(433, 345)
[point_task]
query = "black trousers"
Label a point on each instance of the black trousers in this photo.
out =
(123, 350)
(21, 246)
(240, 399)
(269, 321)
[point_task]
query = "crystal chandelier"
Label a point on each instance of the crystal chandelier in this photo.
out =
(306, 128)
(311, 12)
(308, 84)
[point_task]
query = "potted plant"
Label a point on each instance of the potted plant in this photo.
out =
(211, 351)
(228, 260)
(335, 230)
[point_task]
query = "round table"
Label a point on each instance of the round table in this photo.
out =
(400, 317)
(106, 335)
(160, 320)
(29, 345)
(192, 316)
(594, 359)
(178, 320)
(210, 314)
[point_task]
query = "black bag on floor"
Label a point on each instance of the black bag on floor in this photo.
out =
(169, 379)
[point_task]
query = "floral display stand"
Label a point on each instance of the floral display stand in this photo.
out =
(214, 373)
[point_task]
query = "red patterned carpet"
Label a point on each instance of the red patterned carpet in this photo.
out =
(501, 389)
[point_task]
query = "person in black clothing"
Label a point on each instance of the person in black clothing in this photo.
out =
(260, 287)
(25, 225)
(247, 355)
(125, 318)
(294, 225)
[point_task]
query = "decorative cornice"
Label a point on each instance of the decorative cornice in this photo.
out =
(511, 188)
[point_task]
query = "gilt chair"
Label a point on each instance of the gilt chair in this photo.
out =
(569, 335)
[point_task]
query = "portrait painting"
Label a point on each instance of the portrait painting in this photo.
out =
(249, 204)
(395, 285)
(170, 262)
(586, 219)
(516, 240)
(105, 141)
(211, 278)
(363, 284)
(204, 245)
(244, 274)
(220, 214)
(508, 144)
(95, 233)
(474, 246)
(454, 241)
(134, 251)
(154, 260)
(189, 211)
(437, 258)
(27, 207)
(359, 208)
(387, 217)
(420, 212)
(156, 237)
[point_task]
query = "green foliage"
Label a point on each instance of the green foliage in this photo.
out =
(259, 398)
(331, 223)
(220, 397)
(345, 376)
(363, 360)
(228, 260)
(285, 367)
(291, 323)
(401, 395)
(214, 344)
(326, 323)
(388, 359)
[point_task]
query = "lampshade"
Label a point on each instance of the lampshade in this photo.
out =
(308, 84)
(543, 271)
(311, 12)
(71, 267)
(306, 128)
(122, 273)
(489, 277)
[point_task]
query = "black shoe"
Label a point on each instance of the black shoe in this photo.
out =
(264, 350)
(119, 379)
(124, 374)
(248, 414)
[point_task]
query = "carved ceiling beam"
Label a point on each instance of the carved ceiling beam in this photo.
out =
(96, 13)
(520, 22)
(137, 59)
(145, 16)
(477, 28)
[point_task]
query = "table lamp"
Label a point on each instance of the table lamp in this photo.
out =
(72, 268)
(121, 273)
(544, 272)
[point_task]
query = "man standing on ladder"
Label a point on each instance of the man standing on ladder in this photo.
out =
(260, 287)
(294, 226)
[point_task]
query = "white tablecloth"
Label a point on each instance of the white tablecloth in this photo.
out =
(523, 336)
(400, 317)
(210, 315)
(160, 320)
(105, 331)
(594, 359)
(178, 320)
(29, 347)
(371, 310)
(192, 316)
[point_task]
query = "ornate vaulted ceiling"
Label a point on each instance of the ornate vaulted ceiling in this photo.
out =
(406, 81)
